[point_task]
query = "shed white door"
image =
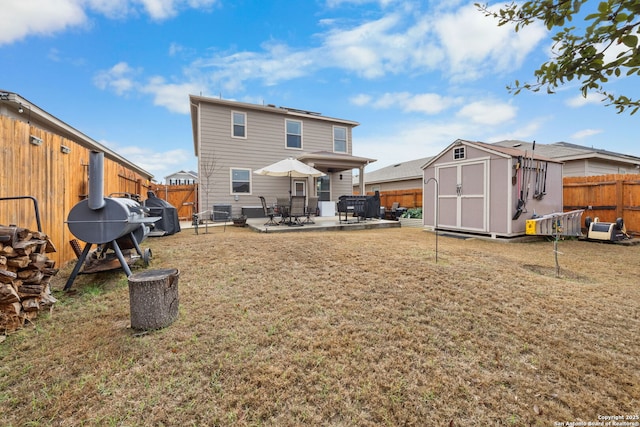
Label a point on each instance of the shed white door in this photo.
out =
(463, 196)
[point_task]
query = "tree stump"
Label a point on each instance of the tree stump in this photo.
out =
(153, 298)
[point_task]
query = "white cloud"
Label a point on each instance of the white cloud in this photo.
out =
(338, 3)
(174, 97)
(427, 103)
(119, 78)
(585, 133)
(463, 44)
(21, 18)
(122, 79)
(524, 132)
(360, 99)
(175, 48)
(158, 163)
(412, 140)
(488, 112)
(474, 44)
(580, 101)
(276, 63)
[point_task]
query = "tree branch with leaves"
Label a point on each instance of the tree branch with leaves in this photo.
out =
(605, 48)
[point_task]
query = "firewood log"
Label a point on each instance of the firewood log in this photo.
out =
(30, 304)
(8, 251)
(7, 276)
(19, 261)
(8, 295)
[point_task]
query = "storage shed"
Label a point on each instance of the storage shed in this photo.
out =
(475, 187)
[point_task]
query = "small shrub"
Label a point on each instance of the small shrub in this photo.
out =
(413, 213)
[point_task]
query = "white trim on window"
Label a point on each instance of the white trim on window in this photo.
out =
(337, 140)
(286, 134)
(243, 178)
(459, 153)
(238, 125)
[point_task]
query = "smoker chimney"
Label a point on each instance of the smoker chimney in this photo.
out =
(96, 181)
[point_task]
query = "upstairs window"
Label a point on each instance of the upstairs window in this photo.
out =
(240, 181)
(294, 133)
(339, 139)
(238, 124)
(458, 153)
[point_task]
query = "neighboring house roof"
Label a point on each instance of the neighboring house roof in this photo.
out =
(182, 173)
(403, 171)
(564, 151)
(285, 111)
(12, 103)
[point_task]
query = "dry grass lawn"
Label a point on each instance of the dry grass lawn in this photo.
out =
(358, 328)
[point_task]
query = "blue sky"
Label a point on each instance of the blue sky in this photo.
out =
(415, 75)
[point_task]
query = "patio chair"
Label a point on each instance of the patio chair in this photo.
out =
(312, 209)
(397, 211)
(284, 204)
(297, 210)
(268, 212)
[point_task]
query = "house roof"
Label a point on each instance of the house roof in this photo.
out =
(403, 171)
(183, 172)
(336, 161)
(11, 104)
(564, 151)
(270, 108)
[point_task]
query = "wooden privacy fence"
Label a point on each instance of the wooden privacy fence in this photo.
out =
(409, 199)
(182, 197)
(607, 197)
(55, 172)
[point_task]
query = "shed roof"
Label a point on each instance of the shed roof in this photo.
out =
(508, 151)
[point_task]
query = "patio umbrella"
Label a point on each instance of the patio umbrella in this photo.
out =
(290, 167)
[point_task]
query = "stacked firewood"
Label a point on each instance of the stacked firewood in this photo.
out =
(25, 273)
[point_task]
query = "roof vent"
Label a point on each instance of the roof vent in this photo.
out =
(517, 144)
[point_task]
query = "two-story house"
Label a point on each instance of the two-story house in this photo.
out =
(233, 139)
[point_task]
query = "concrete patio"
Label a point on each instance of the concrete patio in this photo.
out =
(329, 223)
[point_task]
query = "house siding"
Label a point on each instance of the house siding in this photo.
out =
(265, 143)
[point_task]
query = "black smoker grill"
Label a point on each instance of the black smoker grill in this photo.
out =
(109, 222)
(361, 206)
(169, 222)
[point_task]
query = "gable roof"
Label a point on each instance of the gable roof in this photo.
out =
(183, 172)
(506, 152)
(403, 171)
